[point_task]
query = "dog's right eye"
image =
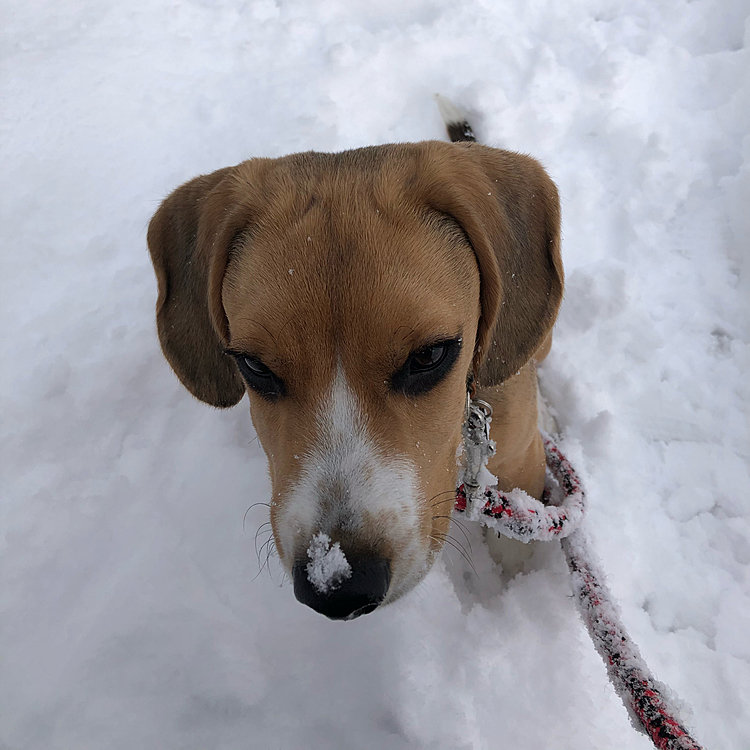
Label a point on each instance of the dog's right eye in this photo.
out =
(258, 376)
(256, 367)
(426, 367)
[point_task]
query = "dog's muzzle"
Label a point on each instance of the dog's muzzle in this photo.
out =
(356, 595)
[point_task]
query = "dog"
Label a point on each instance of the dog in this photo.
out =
(354, 297)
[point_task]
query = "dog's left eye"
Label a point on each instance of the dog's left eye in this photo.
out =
(258, 376)
(426, 367)
(256, 367)
(427, 358)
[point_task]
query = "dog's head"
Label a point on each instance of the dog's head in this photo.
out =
(351, 295)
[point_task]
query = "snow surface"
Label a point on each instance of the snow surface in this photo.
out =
(133, 615)
(328, 565)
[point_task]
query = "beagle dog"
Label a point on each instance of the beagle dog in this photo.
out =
(352, 296)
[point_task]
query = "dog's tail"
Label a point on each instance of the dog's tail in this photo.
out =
(455, 120)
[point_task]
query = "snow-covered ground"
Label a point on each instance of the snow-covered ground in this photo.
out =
(132, 615)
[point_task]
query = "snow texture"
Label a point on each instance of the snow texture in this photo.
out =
(652, 707)
(328, 565)
(519, 516)
(132, 614)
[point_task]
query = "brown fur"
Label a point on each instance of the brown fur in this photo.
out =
(315, 261)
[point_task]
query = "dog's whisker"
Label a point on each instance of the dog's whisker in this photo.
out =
(270, 550)
(262, 546)
(458, 547)
(269, 544)
(268, 505)
(443, 548)
(266, 545)
(458, 521)
(448, 537)
(259, 531)
(284, 578)
(259, 552)
(439, 494)
(454, 545)
(461, 529)
(266, 523)
(260, 570)
(444, 500)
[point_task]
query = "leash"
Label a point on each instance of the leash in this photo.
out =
(519, 516)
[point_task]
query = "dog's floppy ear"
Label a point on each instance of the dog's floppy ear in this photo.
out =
(189, 239)
(509, 209)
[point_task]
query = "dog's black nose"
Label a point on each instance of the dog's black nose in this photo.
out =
(350, 597)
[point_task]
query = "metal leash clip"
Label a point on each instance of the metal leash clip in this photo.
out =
(477, 445)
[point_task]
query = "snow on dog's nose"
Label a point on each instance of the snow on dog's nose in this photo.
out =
(336, 586)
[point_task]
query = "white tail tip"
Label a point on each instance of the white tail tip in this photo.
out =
(450, 113)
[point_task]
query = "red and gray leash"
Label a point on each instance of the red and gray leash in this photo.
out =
(517, 515)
